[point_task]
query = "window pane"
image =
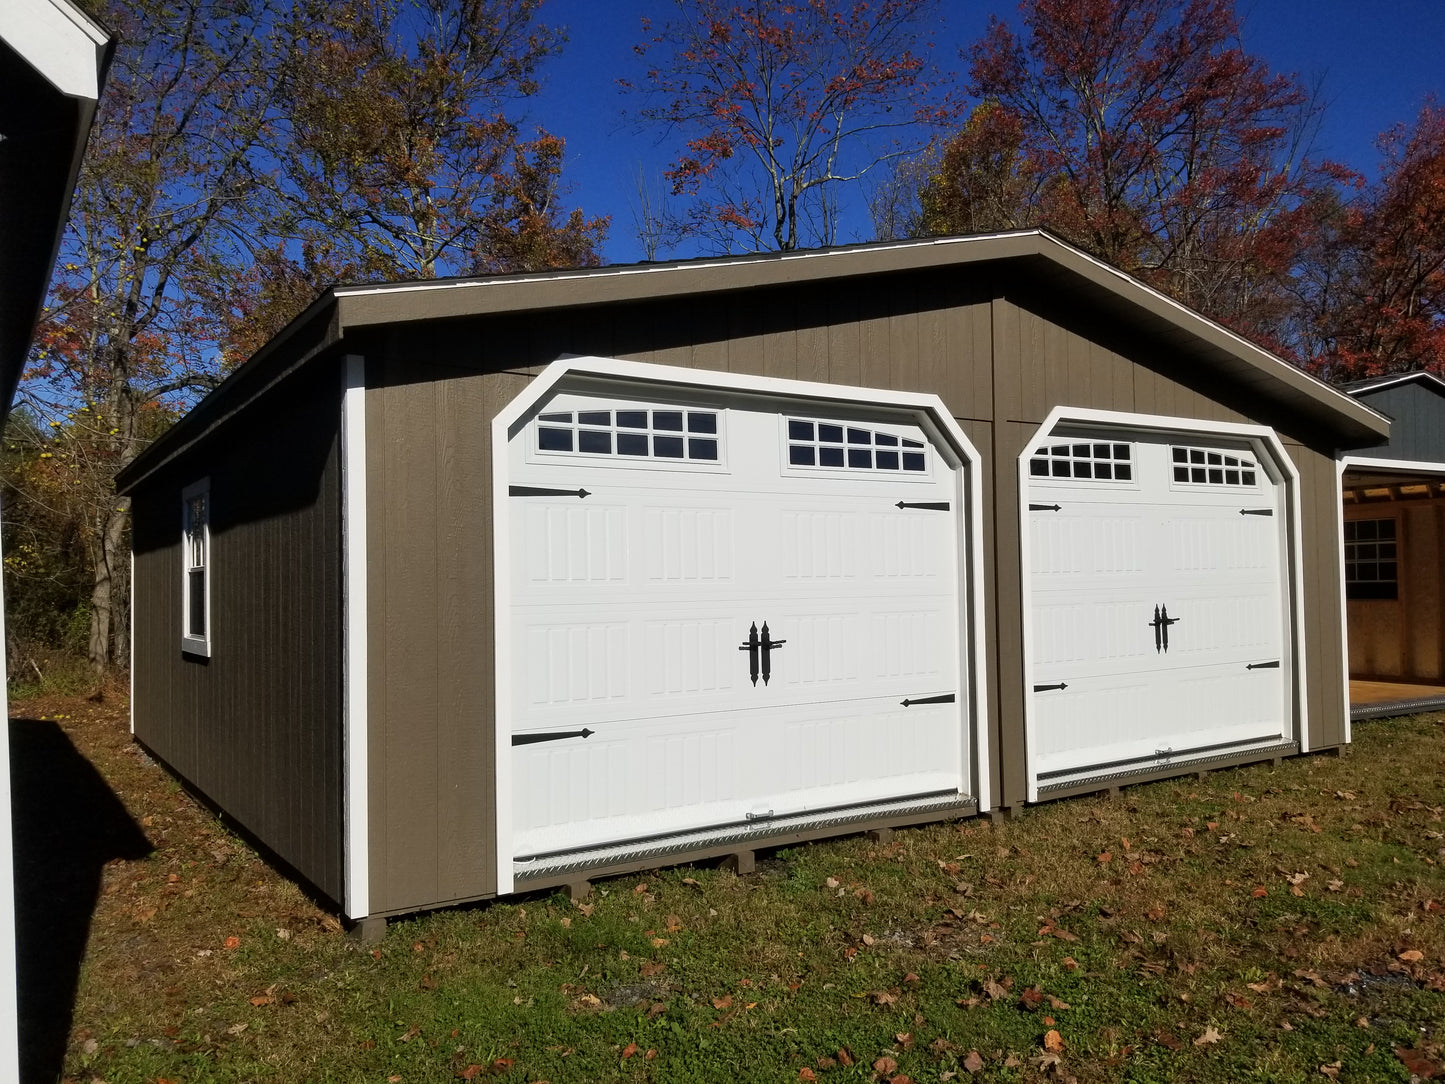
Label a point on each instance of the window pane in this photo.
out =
(860, 457)
(800, 455)
(913, 461)
(885, 439)
(667, 447)
(702, 448)
(833, 433)
(702, 423)
(196, 623)
(554, 440)
(591, 440)
(1121, 451)
(631, 444)
(671, 420)
(799, 430)
(1216, 475)
(1180, 455)
(1061, 468)
(556, 417)
(632, 419)
(1249, 477)
(1123, 471)
(1196, 474)
(1039, 468)
(1232, 477)
(859, 436)
(887, 460)
(1083, 469)
(912, 443)
(595, 417)
(830, 457)
(1081, 451)
(1103, 470)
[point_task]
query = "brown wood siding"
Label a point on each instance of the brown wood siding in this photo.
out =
(256, 728)
(1324, 622)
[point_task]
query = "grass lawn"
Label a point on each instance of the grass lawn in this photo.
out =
(1262, 924)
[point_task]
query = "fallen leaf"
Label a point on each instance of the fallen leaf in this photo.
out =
(1105, 858)
(261, 999)
(883, 997)
(658, 942)
(1417, 1063)
(972, 1062)
(807, 1074)
(994, 990)
(1259, 892)
(1053, 1041)
(1031, 998)
(1070, 962)
(1332, 1070)
(232, 942)
(845, 1056)
(1209, 1036)
(1411, 956)
(885, 1064)
(411, 1033)
(640, 889)
(629, 1050)
(724, 1002)
(1046, 1061)
(1169, 1039)
(471, 1072)
(1056, 1003)
(657, 1010)
(673, 924)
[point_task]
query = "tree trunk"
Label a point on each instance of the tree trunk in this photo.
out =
(112, 582)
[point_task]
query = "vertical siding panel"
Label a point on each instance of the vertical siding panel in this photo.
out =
(1058, 371)
(745, 346)
(812, 338)
(876, 361)
(935, 374)
(903, 338)
(1033, 395)
(980, 347)
(1007, 362)
(780, 342)
(845, 342)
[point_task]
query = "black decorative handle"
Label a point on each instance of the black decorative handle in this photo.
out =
(946, 698)
(1263, 665)
(929, 506)
(750, 645)
(533, 739)
(1050, 688)
(768, 645)
(1160, 625)
(537, 491)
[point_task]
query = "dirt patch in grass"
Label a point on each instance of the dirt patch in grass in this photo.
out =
(1262, 924)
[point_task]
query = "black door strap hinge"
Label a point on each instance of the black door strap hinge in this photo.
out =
(1046, 508)
(1256, 511)
(1263, 665)
(533, 739)
(931, 506)
(534, 491)
(1050, 688)
(947, 698)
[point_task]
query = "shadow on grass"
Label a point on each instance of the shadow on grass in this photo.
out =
(67, 825)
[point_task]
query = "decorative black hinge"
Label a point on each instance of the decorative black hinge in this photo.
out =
(1263, 665)
(1049, 688)
(533, 739)
(534, 491)
(931, 506)
(1046, 508)
(1256, 511)
(750, 645)
(1161, 624)
(769, 645)
(947, 698)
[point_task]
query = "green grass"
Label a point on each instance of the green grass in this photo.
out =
(917, 951)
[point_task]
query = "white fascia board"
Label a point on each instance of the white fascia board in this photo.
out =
(646, 373)
(1419, 377)
(1400, 466)
(1265, 439)
(58, 41)
(354, 653)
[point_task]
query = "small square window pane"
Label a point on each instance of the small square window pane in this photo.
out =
(1061, 468)
(1081, 451)
(800, 455)
(593, 440)
(1215, 459)
(1059, 450)
(671, 420)
(1366, 551)
(1367, 528)
(1181, 455)
(595, 417)
(554, 440)
(1387, 527)
(799, 430)
(859, 436)
(1181, 474)
(830, 457)
(667, 447)
(1103, 470)
(1387, 550)
(631, 443)
(885, 439)
(888, 460)
(913, 461)
(1196, 455)
(1232, 477)
(556, 417)
(1123, 472)
(1196, 474)
(1121, 451)
(912, 443)
(702, 423)
(1039, 468)
(632, 419)
(1365, 572)
(1248, 477)
(860, 457)
(702, 448)
(1216, 475)
(1083, 469)
(832, 433)
(1387, 570)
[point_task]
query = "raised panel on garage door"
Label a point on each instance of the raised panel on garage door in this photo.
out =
(1158, 601)
(633, 607)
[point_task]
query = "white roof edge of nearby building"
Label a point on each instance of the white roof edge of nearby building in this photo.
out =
(59, 41)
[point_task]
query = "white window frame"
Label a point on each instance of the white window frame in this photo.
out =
(190, 643)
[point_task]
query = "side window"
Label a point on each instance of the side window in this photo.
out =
(196, 568)
(1095, 460)
(1371, 559)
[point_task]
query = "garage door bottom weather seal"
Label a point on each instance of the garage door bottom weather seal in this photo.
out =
(753, 833)
(1184, 759)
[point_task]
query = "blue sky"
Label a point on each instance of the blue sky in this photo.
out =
(1374, 64)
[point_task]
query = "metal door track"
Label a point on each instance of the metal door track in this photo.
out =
(756, 832)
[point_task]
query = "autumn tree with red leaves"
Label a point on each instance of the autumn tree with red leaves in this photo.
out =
(1373, 286)
(784, 103)
(1143, 132)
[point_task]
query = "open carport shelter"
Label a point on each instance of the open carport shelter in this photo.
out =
(468, 587)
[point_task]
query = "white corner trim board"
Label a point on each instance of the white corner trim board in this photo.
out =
(1131, 546)
(1401, 466)
(576, 378)
(354, 640)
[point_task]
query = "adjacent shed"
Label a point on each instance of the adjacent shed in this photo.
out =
(463, 588)
(1394, 532)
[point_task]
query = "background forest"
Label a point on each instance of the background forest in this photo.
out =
(250, 153)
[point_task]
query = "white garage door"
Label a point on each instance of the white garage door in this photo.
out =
(752, 612)
(1158, 604)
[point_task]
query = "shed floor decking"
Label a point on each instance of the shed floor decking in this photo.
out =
(1374, 699)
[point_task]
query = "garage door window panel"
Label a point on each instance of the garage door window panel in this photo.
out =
(1094, 460)
(835, 446)
(654, 434)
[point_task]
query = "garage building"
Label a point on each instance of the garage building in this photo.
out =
(469, 587)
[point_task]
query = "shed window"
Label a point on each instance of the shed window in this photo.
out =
(196, 568)
(1205, 467)
(1372, 566)
(848, 447)
(1093, 459)
(663, 434)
